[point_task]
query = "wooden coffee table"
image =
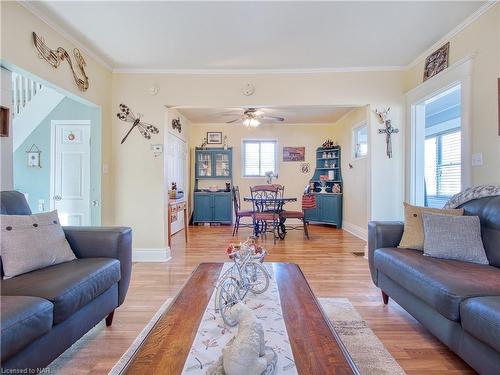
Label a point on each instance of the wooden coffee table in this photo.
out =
(316, 347)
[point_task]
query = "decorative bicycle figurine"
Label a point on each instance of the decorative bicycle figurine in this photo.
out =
(246, 274)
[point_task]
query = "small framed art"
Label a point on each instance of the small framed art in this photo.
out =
(214, 138)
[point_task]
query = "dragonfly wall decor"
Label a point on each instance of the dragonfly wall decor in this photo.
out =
(145, 129)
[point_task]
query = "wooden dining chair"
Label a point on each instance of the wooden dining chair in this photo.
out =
(238, 212)
(287, 214)
(265, 209)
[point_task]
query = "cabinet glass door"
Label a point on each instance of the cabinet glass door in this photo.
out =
(205, 164)
(222, 167)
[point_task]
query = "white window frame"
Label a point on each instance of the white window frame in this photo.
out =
(354, 136)
(457, 74)
(243, 155)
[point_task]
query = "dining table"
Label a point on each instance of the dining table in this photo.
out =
(261, 204)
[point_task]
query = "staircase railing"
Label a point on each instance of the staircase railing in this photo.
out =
(23, 90)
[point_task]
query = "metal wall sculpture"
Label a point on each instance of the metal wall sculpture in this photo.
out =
(145, 129)
(55, 56)
(388, 130)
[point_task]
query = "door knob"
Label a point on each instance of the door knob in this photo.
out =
(57, 197)
(95, 203)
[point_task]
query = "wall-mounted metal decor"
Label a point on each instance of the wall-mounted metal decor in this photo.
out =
(436, 62)
(388, 130)
(33, 154)
(55, 56)
(176, 124)
(144, 128)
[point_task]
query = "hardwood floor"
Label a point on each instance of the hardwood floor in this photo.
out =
(329, 266)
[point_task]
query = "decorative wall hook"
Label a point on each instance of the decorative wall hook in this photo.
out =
(55, 56)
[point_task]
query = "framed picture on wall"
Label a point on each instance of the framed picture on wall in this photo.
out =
(294, 153)
(214, 138)
(436, 62)
(34, 157)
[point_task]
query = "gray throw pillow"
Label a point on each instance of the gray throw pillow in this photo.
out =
(453, 237)
(31, 242)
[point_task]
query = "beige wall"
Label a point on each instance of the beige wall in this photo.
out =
(309, 135)
(356, 179)
(482, 40)
(18, 52)
(139, 178)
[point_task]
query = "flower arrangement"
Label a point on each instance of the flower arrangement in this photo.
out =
(243, 248)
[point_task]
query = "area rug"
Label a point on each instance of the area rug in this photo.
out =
(369, 354)
(365, 348)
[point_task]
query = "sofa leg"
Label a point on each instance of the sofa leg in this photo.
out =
(385, 297)
(109, 318)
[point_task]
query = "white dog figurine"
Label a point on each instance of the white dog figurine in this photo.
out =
(245, 354)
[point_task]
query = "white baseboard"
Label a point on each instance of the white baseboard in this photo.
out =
(356, 230)
(160, 254)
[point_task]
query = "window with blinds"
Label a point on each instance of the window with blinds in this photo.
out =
(442, 167)
(259, 157)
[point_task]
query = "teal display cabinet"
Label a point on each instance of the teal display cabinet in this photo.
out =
(213, 206)
(327, 185)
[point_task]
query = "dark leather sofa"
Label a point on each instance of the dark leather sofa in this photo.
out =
(458, 302)
(44, 312)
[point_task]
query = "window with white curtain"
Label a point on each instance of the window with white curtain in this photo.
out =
(259, 157)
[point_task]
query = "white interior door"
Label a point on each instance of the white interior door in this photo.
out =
(70, 171)
(176, 172)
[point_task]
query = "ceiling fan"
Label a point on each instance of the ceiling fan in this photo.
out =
(252, 117)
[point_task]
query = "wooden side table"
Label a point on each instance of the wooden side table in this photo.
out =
(174, 207)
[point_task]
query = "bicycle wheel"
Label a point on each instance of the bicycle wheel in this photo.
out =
(256, 277)
(228, 296)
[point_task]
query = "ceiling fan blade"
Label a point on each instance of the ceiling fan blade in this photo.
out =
(277, 118)
(230, 122)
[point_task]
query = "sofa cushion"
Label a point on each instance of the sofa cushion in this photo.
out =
(69, 286)
(488, 210)
(32, 242)
(413, 233)
(453, 237)
(443, 284)
(481, 318)
(23, 319)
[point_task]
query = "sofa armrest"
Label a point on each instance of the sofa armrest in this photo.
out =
(107, 242)
(382, 234)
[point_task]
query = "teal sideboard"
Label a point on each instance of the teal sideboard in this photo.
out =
(328, 209)
(215, 164)
(212, 207)
(329, 198)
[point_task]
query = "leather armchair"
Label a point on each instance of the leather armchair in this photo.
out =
(106, 242)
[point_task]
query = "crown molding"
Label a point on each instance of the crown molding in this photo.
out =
(37, 13)
(474, 16)
(259, 71)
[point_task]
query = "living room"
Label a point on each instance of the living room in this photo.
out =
(391, 97)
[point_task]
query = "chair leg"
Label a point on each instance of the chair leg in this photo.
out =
(235, 226)
(306, 229)
(109, 318)
(385, 297)
(238, 225)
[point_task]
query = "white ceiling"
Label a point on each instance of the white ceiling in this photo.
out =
(292, 114)
(212, 36)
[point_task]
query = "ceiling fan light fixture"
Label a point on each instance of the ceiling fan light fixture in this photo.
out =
(251, 122)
